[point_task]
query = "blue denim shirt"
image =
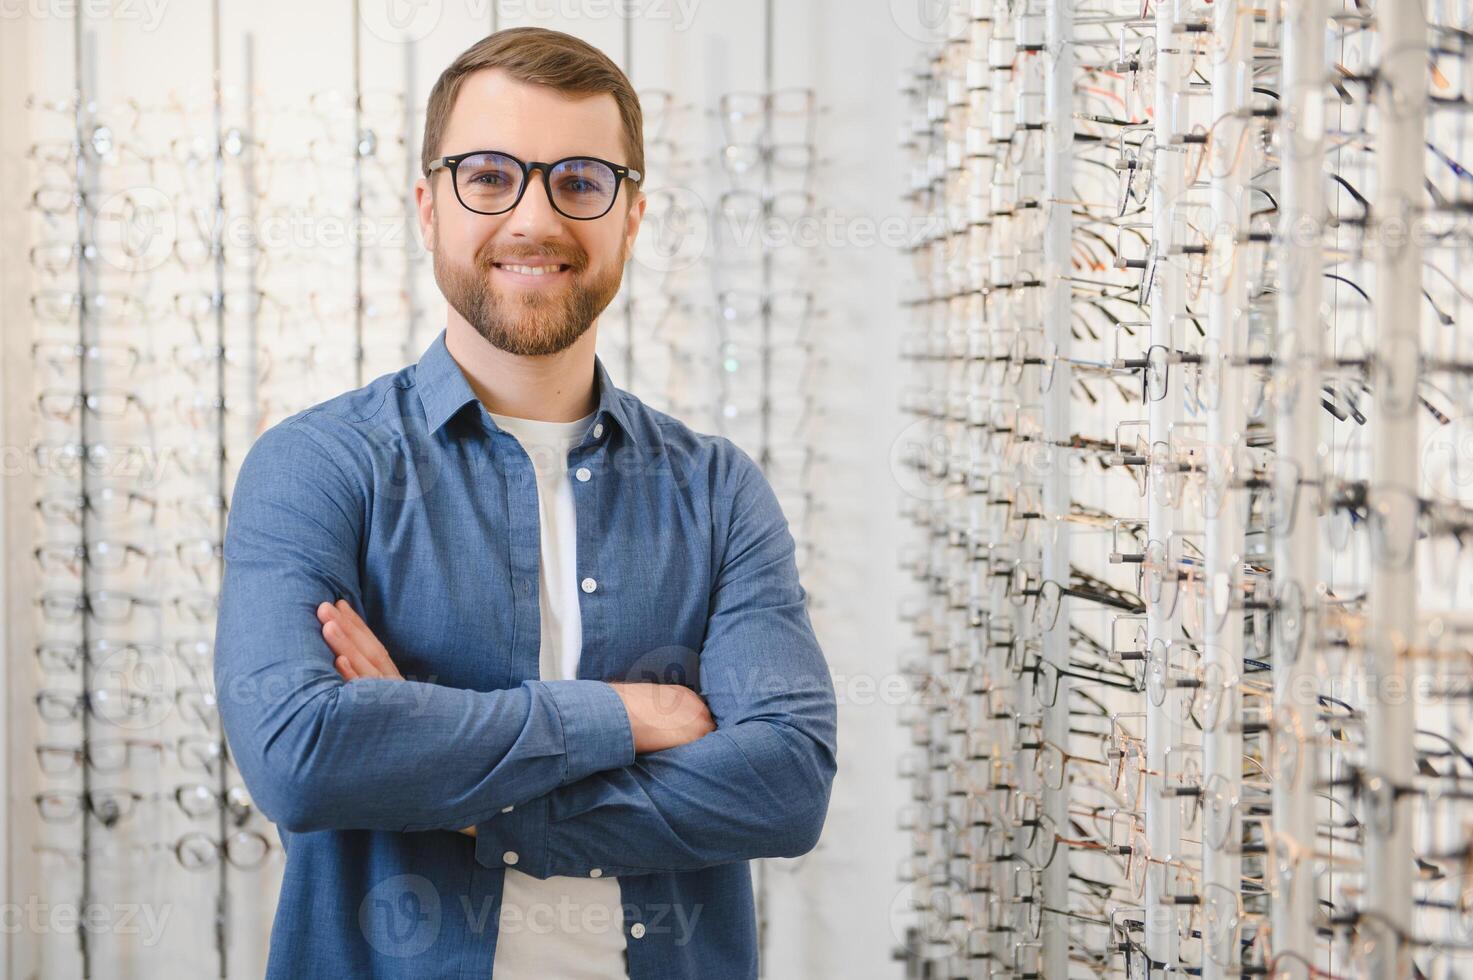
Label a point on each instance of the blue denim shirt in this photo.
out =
(405, 498)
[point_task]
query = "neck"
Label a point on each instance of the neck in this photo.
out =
(552, 388)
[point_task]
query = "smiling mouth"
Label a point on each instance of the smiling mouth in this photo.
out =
(551, 268)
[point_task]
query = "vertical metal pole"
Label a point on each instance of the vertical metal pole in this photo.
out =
(1009, 230)
(764, 449)
(1163, 723)
(356, 221)
(217, 251)
(769, 72)
(976, 389)
(84, 80)
(1058, 327)
(1227, 323)
(1401, 103)
(411, 213)
(250, 204)
(1297, 370)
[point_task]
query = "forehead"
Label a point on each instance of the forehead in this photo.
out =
(494, 111)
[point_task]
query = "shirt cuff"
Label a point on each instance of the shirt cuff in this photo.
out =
(515, 838)
(597, 734)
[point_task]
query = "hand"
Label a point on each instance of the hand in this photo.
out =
(357, 652)
(663, 716)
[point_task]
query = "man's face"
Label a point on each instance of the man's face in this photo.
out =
(475, 254)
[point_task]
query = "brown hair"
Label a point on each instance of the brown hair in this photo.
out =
(537, 56)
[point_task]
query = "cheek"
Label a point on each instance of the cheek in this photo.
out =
(602, 246)
(459, 240)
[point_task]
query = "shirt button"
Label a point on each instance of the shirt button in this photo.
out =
(510, 857)
(637, 930)
(506, 809)
(598, 430)
(596, 873)
(584, 474)
(589, 585)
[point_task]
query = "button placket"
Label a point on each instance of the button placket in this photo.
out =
(524, 547)
(588, 503)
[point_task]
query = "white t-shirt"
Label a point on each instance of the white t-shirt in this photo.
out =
(571, 928)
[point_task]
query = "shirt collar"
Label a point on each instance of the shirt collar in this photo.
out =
(444, 391)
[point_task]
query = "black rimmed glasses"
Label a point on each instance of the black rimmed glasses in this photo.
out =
(492, 182)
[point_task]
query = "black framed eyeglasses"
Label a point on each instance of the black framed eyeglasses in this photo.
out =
(492, 182)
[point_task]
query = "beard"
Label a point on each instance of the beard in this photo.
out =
(532, 322)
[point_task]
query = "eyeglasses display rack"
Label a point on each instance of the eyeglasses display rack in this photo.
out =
(1189, 355)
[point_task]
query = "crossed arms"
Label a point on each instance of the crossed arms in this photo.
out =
(619, 777)
(661, 716)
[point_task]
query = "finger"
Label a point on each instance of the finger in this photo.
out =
(343, 646)
(350, 616)
(336, 639)
(335, 632)
(352, 623)
(362, 665)
(360, 642)
(366, 641)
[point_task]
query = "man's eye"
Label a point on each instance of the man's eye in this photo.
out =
(581, 185)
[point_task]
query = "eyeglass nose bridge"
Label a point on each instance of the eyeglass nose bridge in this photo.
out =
(528, 169)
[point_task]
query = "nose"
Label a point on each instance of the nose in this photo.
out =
(534, 216)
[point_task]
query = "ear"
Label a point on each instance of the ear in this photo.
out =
(424, 206)
(632, 219)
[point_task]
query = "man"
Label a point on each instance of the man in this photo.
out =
(520, 667)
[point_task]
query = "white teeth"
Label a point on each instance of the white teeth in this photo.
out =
(532, 270)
